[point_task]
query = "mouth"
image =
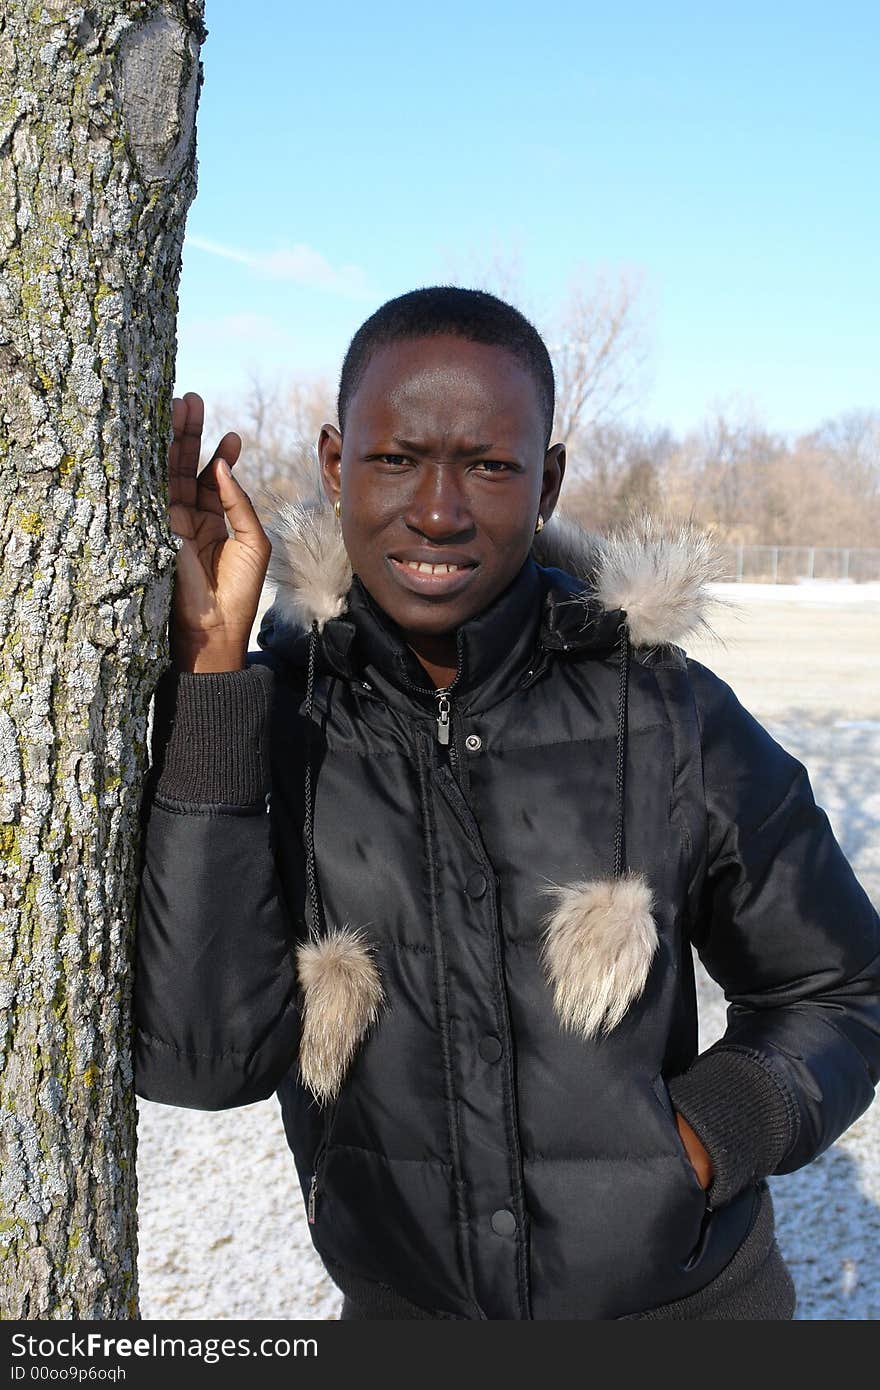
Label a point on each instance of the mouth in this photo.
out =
(432, 577)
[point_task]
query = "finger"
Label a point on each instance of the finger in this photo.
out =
(187, 417)
(229, 450)
(178, 420)
(240, 512)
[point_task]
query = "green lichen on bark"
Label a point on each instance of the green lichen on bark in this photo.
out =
(97, 171)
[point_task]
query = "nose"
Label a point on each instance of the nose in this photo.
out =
(438, 508)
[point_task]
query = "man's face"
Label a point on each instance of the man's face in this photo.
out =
(442, 463)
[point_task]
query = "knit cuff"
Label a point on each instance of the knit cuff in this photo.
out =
(209, 733)
(741, 1114)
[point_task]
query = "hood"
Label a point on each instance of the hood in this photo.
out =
(654, 573)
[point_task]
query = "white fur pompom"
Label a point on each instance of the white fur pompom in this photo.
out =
(342, 993)
(597, 949)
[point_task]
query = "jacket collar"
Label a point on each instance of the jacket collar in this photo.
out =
(572, 593)
(492, 644)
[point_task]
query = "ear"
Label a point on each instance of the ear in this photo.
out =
(330, 460)
(554, 471)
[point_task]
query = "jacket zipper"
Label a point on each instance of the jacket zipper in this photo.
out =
(444, 723)
(313, 1197)
(444, 705)
(444, 713)
(444, 718)
(320, 1156)
(442, 695)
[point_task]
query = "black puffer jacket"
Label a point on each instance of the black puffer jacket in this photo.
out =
(459, 944)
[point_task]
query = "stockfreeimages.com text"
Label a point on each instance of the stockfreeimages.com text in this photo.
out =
(207, 1349)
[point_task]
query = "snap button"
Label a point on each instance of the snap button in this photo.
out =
(489, 1048)
(503, 1222)
(473, 743)
(476, 884)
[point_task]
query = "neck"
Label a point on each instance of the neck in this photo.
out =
(437, 654)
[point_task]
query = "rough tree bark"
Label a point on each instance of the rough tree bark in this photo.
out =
(97, 171)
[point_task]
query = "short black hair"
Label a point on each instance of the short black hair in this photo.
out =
(476, 315)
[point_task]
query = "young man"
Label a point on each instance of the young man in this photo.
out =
(430, 864)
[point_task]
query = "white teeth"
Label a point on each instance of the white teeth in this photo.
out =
(424, 568)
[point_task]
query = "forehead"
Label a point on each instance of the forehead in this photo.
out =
(443, 387)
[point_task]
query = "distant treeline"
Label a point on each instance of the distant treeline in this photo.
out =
(751, 487)
(748, 485)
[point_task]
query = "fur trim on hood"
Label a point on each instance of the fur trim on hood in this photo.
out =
(656, 573)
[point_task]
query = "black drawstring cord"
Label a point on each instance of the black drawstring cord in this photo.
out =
(622, 722)
(317, 928)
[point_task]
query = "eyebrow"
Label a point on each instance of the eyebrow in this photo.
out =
(420, 448)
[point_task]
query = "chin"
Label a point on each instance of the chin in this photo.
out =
(431, 620)
(432, 617)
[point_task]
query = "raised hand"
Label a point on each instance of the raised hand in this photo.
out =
(219, 577)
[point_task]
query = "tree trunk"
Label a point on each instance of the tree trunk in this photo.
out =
(97, 171)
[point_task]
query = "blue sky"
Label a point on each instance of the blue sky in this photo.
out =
(728, 157)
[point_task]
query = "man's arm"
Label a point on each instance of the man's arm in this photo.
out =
(787, 930)
(216, 1021)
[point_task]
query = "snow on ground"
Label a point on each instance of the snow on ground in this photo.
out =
(827, 593)
(223, 1232)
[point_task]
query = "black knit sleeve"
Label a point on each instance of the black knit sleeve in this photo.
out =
(216, 1022)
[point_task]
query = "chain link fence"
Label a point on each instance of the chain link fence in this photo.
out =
(788, 564)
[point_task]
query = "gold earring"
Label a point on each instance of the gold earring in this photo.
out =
(337, 506)
(540, 525)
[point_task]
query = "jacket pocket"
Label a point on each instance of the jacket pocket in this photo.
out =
(664, 1099)
(754, 1283)
(662, 1093)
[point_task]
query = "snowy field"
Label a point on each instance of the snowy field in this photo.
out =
(223, 1233)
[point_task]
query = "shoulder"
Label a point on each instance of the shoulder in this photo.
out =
(717, 703)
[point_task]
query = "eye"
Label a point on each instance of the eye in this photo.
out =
(392, 460)
(494, 465)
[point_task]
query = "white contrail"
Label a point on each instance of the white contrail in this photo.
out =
(300, 263)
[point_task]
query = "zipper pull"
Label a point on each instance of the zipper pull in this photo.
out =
(312, 1193)
(443, 708)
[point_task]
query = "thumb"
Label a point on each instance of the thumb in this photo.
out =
(238, 506)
